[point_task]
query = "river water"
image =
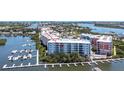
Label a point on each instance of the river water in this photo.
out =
(16, 42)
(102, 29)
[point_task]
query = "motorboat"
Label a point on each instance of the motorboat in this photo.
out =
(29, 44)
(14, 51)
(10, 58)
(30, 51)
(19, 56)
(27, 40)
(24, 45)
(24, 57)
(21, 51)
(15, 58)
(29, 56)
(26, 51)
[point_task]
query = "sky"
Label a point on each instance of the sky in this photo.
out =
(61, 10)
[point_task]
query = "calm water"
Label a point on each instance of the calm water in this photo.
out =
(102, 29)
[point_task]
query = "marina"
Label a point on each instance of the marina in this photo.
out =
(23, 57)
(14, 54)
(20, 53)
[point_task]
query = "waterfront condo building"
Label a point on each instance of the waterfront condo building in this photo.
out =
(69, 46)
(93, 38)
(48, 34)
(103, 43)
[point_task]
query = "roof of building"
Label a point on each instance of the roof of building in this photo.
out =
(105, 39)
(90, 35)
(69, 41)
(101, 38)
(50, 34)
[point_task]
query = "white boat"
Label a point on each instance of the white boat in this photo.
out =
(14, 51)
(29, 44)
(24, 57)
(26, 51)
(19, 56)
(29, 56)
(15, 58)
(27, 40)
(24, 45)
(10, 58)
(30, 51)
(21, 51)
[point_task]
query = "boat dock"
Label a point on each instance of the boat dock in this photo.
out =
(60, 64)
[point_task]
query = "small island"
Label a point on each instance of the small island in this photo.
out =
(118, 25)
(2, 42)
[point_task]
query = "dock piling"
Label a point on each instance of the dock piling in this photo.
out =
(89, 63)
(52, 65)
(45, 66)
(29, 64)
(75, 64)
(13, 65)
(21, 64)
(60, 65)
(68, 65)
(82, 64)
